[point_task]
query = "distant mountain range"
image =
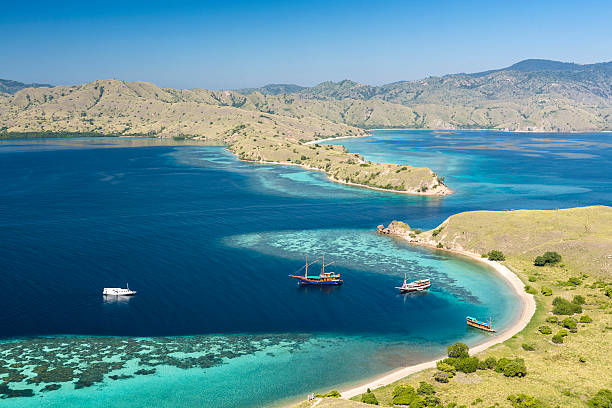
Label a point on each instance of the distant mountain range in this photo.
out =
(532, 95)
(11, 87)
(590, 83)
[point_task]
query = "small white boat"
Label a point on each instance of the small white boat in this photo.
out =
(416, 286)
(119, 291)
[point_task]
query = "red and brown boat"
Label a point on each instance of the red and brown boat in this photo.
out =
(480, 325)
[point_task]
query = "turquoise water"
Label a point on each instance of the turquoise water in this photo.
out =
(208, 242)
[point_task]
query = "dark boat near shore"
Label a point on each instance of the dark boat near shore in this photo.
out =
(323, 279)
(480, 325)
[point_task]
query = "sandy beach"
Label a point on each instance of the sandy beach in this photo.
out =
(528, 307)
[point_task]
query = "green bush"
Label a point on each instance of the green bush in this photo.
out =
(586, 319)
(439, 245)
(546, 291)
(406, 395)
(466, 364)
(530, 290)
(482, 365)
(458, 350)
(532, 278)
(369, 398)
(565, 307)
(442, 376)
(578, 300)
(545, 330)
(574, 281)
(562, 333)
(425, 388)
(515, 368)
(557, 339)
(491, 362)
(552, 319)
(495, 255)
(442, 366)
(331, 394)
(548, 258)
(525, 401)
(608, 292)
(603, 399)
(570, 324)
(528, 346)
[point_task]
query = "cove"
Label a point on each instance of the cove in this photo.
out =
(208, 242)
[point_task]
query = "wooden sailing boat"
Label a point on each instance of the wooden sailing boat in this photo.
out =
(480, 325)
(415, 286)
(324, 278)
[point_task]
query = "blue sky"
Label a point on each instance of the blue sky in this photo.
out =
(225, 44)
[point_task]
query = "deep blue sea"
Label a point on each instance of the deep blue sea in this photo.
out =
(208, 242)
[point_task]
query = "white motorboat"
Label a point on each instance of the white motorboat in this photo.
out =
(119, 291)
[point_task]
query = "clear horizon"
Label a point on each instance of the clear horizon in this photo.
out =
(219, 45)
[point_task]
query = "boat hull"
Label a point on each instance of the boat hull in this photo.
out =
(480, 325)
(416, 289)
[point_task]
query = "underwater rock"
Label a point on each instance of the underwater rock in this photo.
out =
(51, 387)
(142, 371)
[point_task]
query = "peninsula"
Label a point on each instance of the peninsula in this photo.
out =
(564, 260)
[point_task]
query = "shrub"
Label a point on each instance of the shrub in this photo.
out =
(586, 319)
(582, 359)
(565, 307)
(528, 346)
(578, 300)
(552, 319)
(442, 366)
(466, 364)
(491, 362)
(495, 255)
(574, 281)
(548, 258)
(530, 290)
(369, 398)
(603, 399)
(609, 292)
(570, 324)
(545, 330)
(406, 395)
(546, 291)
(425, 388)
(331, 394)
(439, 245)
(442, 376)
(515, 368)
(436, 232)
(482, 365)
(525, 401)
(557, 338)
(532, 278)
(501, 364)
(458, 350)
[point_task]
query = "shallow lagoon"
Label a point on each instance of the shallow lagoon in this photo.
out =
(208, 242)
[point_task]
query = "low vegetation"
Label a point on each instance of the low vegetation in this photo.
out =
(558, 360)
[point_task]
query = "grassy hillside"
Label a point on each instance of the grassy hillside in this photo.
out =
(536, 95)
(566, 374)
(248, 125)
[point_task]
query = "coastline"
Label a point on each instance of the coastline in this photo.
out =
(528, 307)
(446, 192)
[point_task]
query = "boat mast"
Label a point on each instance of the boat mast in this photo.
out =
(306, 272)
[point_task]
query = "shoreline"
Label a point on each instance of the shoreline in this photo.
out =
(528, 307)
(330, 178)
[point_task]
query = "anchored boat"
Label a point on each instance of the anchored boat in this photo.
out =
(324, 278)
(119, 291)
(480, 325)
(415, 286)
